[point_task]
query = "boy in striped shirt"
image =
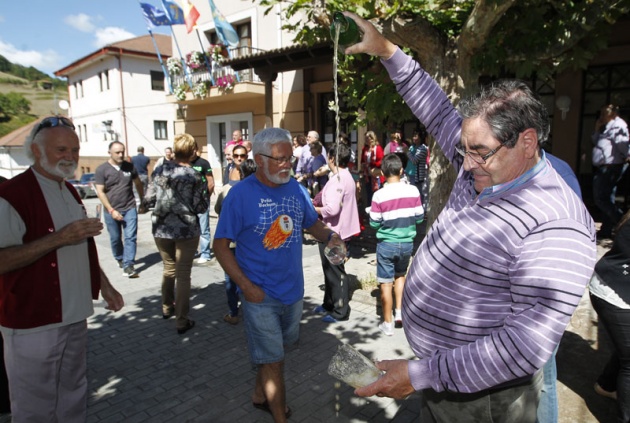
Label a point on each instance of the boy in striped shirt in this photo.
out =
(395, 211)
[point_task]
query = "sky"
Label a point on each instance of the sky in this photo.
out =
(50, 35)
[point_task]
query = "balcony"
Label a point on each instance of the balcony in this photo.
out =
(201, 77)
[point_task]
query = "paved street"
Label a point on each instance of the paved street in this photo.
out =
(141, 370)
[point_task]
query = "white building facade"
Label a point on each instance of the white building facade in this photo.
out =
(119, 93)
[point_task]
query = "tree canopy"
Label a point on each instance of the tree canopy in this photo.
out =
(456, 41)
(459, 40)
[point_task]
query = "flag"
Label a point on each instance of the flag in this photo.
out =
(225, 31)
(153, 16)
(190, 15)
(174, 12)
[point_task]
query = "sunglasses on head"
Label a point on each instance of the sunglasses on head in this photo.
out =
(51, 122)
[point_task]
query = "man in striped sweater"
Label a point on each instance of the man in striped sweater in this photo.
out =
(496, 280)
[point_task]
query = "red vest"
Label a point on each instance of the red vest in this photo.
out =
(31, 296)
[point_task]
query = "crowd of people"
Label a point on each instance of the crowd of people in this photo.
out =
(483, 301)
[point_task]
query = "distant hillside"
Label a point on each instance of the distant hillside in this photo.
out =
(27, 81)
(29, 73)
(9, 78)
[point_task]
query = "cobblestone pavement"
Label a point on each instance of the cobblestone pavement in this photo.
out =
(141, 370)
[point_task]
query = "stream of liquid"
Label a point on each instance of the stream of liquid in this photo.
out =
(336, 90)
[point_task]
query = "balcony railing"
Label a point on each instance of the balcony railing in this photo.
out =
(202, 70)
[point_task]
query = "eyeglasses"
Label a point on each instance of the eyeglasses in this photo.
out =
(242, 156)
(51, 122)
(281, 160)
(476, 157)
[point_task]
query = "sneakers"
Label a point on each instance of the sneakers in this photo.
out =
(130, 272)
(202, 260)
(397, 319)
(119, 263)
(604, 393)
(329, 319)
(319, 310)
(386, 328)
(233, 320)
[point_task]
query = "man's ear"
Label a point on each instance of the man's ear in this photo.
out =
(529, 139)
(36, 150)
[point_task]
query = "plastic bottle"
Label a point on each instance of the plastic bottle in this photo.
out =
(348, 29)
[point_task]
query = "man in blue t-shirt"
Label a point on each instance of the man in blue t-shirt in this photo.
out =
(265, 215)
(141, 163)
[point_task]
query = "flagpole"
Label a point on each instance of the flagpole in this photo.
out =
(185, 66)
(157, 50)
(223, 29)
(205, 56)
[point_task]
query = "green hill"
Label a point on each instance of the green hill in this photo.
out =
(27, 81)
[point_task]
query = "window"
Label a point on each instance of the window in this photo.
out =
(78, 89)
(85, 136)
(80, 133)
(244, 39)
(159, 129)
(157, 81)
(103, 78)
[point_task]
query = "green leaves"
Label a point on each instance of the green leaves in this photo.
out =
(531, 36)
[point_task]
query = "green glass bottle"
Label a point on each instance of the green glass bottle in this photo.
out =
(348, 29)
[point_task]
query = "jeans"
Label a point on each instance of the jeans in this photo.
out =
(547, 411)
(392, 260)
(616, 374)
(177, 256)
(604, 191)
(337, 291)
(271, 325)
(129, 227)
(204, 239)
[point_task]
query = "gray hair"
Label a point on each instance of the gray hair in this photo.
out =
(268, 137)
(509, 107)
(32, 138)
(314, 134)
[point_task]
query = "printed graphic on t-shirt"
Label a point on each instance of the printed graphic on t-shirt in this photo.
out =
(280, 230)
(279, 223)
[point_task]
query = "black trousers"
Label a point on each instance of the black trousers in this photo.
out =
(337, 291)
(5, 403)
(616, 374)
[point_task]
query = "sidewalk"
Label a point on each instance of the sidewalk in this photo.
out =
(141, 370)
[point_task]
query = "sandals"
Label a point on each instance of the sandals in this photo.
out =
(265, 407)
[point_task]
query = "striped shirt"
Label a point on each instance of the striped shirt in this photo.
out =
(498, 276)
(395, 210)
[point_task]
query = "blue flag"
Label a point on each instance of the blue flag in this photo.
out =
(225, 31)
(153, 16)
(174, 12)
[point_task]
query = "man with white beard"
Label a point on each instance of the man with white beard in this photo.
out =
(49, 274)
(265, 214)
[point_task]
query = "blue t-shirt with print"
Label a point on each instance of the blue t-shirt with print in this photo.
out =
(267, 225)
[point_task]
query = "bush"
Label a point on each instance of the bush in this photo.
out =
(12, 104)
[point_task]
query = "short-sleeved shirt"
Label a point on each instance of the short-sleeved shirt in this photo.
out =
(202, 166)
(141, 163)
(72, 260)
(267, 225)
(118, 183)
